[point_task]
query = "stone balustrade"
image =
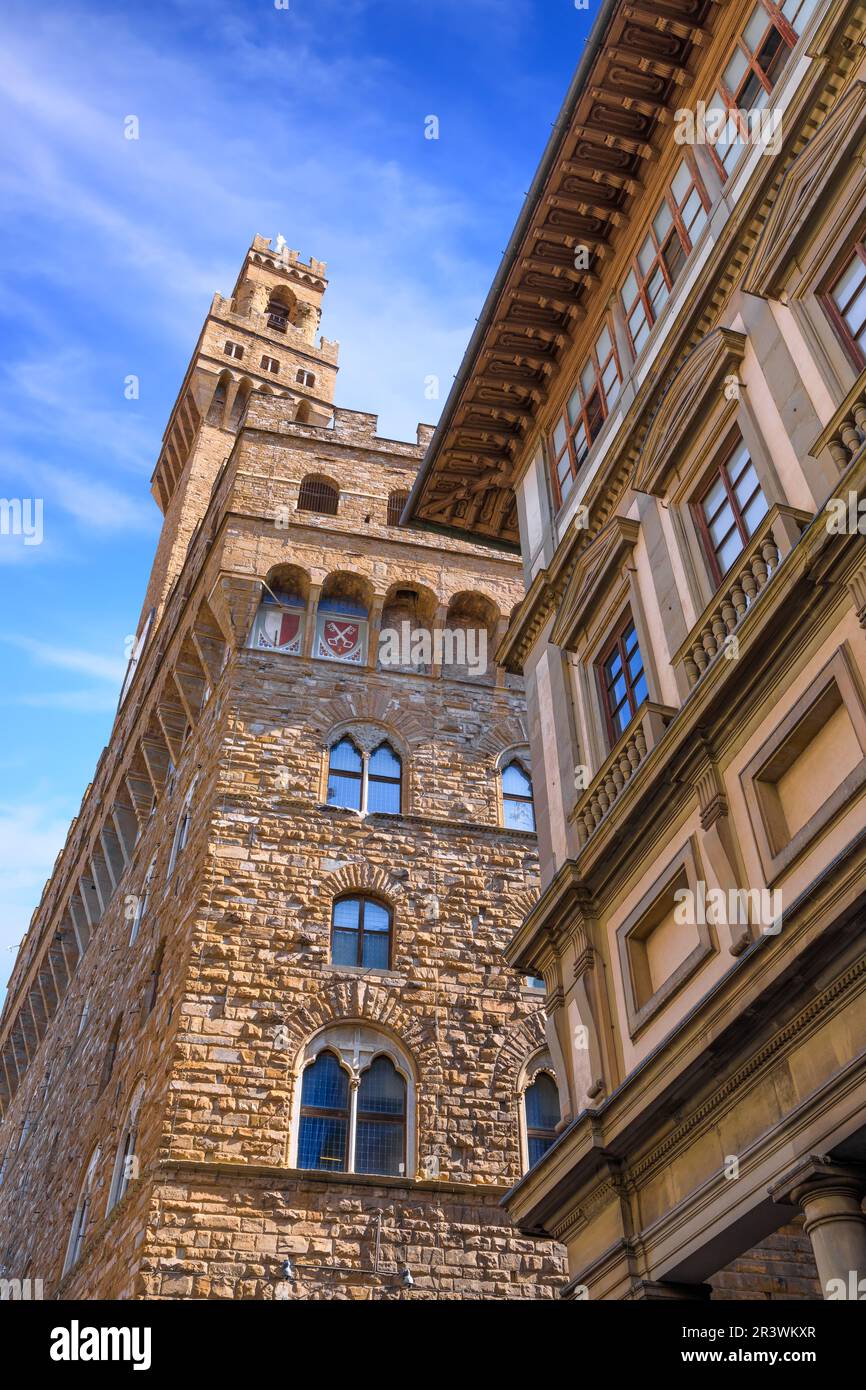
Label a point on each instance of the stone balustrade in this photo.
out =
(845, 435)
(620, 766)
(744, 582)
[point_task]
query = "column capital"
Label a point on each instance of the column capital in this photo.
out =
(816, 1173)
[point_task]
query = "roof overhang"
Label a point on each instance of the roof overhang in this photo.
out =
(637, 59)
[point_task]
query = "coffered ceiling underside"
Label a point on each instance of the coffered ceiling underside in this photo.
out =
(614, 133)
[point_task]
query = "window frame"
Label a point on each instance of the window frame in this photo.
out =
(680, 231)
(362, 899)
(775, 19)
(356, 1058)
(582, 417)
(616, 642)
(855, 353)
(718, 469)
(365, 776)
(518, 762)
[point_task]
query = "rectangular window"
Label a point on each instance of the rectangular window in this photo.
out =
(730, 510)
(588, 407)
(622, 678)
(234, 350)
(845, 302)
(270, 364)
(663, 253)
(753, 70)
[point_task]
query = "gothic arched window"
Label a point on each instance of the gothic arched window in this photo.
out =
(361, 933)
(367, 782)
(380, 1129)
(126, 1159)
(518, 812)
(384, 772)
(323, 1138)
(82, 1213)
(345, 775)
(541, 1115)
(356, 1106)
(317, 494)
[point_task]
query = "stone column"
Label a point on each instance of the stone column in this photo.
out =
(312, 614)
(374, 627)
(830, 1195)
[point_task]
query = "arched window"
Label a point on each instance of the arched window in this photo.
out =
(361, 933)
(380, 1142)
(82, 1213)
(110, 1053)
(518, 812)
(541, 1115)
(181, 833)
(155, 973)
(384, 774)
(356, 1107)
(366, 782)
(126, 1159)
(317, 494)
(345, 775)
(279, 311)
(323, 1139)
(305, 378)
(139, 906)
(396, 503)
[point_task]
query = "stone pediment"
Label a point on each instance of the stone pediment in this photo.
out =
(700, 376)
(809, 181)
(596, 569)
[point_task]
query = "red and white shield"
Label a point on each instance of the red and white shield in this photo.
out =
(280, 630)
(342, 638)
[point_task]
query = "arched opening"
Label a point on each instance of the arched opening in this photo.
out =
(406, 631)
(470, 630)
(342, 619)
(318, 493)
(396, 502)
(216, 409)
(281, 310)
(355, 1103)
(280, 622)
(239, 405)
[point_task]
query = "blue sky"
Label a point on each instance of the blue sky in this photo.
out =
(307, 121)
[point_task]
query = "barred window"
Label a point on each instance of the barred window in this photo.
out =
(318, 495)
(396, 503)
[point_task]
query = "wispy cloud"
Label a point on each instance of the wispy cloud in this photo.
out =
(109, 668)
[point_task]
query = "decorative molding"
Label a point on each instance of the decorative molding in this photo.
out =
(518, 1045)
(672, 426)
(810, 179)
(595, 570)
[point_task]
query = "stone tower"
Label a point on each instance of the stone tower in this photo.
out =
(261, 1013)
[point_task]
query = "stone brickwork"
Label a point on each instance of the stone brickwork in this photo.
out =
(229, 976)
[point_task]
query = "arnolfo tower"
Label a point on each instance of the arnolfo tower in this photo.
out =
(261, 1014)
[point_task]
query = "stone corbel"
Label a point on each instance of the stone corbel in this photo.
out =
(589, 1012)
(234, 602)
(857, 588)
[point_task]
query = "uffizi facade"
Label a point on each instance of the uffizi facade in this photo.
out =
(523, 960)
